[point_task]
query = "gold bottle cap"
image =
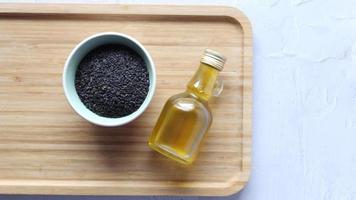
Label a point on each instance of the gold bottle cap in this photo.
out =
(214, 59)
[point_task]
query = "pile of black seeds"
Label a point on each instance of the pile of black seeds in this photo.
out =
(112, 81)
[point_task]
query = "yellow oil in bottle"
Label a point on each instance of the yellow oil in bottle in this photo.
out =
(186, 117)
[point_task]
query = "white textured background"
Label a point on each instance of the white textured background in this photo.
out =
(304, 124)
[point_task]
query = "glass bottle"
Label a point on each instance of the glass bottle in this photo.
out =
(186, 117)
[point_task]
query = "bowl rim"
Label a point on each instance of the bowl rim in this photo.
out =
(111, 122)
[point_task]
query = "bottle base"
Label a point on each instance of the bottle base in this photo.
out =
(168, 152)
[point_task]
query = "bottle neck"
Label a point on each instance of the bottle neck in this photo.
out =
(203, 82)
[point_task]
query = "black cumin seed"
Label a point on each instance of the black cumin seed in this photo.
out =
(112, 81)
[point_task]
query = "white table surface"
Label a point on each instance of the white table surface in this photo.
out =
(304, 110)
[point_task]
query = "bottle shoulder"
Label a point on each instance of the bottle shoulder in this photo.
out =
(189, 95)
(189, 103)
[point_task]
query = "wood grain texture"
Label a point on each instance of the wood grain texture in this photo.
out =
(45, 148)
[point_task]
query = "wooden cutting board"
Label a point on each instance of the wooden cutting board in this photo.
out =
(46, 148)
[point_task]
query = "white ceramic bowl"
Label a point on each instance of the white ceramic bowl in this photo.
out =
(77, 55)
